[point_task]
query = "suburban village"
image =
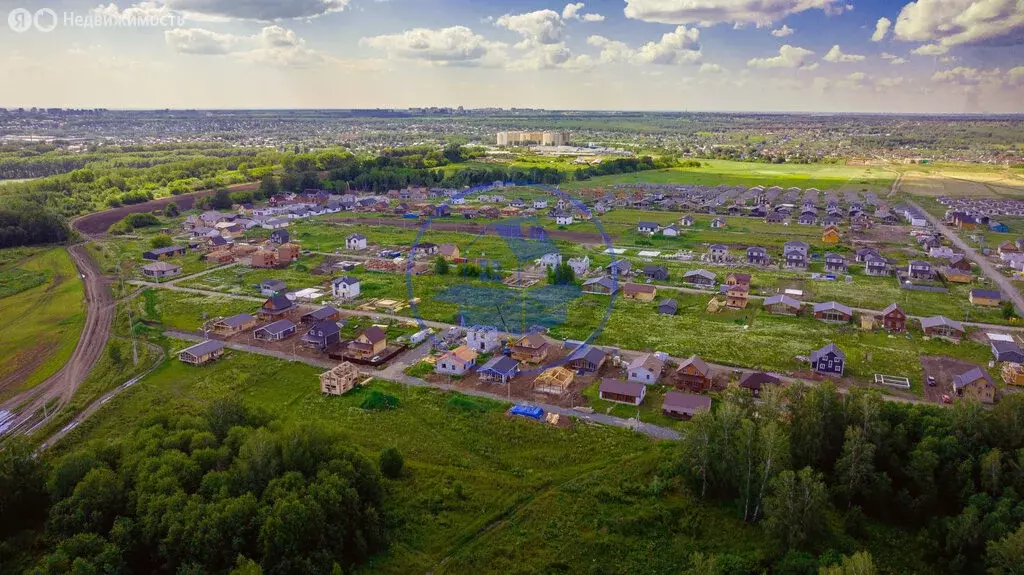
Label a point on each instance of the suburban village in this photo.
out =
(672, 243)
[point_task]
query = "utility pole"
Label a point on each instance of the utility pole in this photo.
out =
(131, 324)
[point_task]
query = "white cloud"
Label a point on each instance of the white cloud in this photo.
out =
(961, 76)
(950, 23)
(881, 29)
(681, 46)
(929, 50)
(893, 59)
(262, 10)
(789, 57)
(710, 12)
(709, 68)
(835, 55)
(537, 28)
(456, 45)
(891, 82)
(1015, 77)
(574, 11)
(272, 46)
(782, 32)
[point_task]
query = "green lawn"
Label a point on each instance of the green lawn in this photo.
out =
(39, 326)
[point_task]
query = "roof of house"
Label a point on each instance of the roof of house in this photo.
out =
(642, 224)
(278, 302)
(699, 364)
(346, 280)
(166, 250)
(685, 401)
(532, 340)
(602, 281)
(461, 354)
(890, 309)
(740, 278)
(832, 305)
(501, 365)
(650, 362)
(161, 267)
(326, 326)
(756, 250)
(630, 289)
(356, 237)
(669, 303)
(756, 379)
(783, 299)
(238, 320)
(701, 273)
(1006, 347)
(987, 294)
(208, 346)
(447, 249)
(323, 313)
(273, 284)
(830, 348)
(588, 353)
(936, 321)
(279, 326)
(621, 387)
(374, 334)
(836, 257)
(969, 376)
(652, 269)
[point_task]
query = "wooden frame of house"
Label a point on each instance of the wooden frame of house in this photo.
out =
(341, 379)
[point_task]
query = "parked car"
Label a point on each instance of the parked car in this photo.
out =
(931, 381)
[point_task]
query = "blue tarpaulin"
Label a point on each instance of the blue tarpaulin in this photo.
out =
(527, 411)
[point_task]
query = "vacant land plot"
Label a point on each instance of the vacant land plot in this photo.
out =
(932, 180)
(715, 172)
(469, 471)
(39, 326)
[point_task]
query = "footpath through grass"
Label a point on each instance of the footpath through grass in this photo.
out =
(39, 326)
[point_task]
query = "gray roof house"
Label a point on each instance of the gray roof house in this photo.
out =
(668, 306)
(1007, 351)
(699, 277)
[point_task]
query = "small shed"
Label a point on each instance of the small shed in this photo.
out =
(622, 391)
(684, 405)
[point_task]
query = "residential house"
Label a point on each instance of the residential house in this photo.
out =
(603, 285)
(718, 223)
(807, 219)
(551, 260)
(449, 252)
(694, 374)
(276, 331)
(1007, 351)
(540, 204)
(718, 253)
(622, 391)
(795, 254)
(288, 253)
(941, 252)
(684, 405)
(835, 263)
(346, 287)
(668, 306)
(580, 266)
(737, 296)
(483, 338)
(645, 369)
(894, 319)
(280, 237)
(1007, 249)
(355, 242)
(275, 224)
(976, 385)
(563, 218)
(672, 231)
(782, 305)
(587, 359)
(954, 275)
(235, 324)
(686, 221)
(341, 379)
(499, 369)
(830, 235)
(639, 292)
(939, 326)
(321, 314)
(832, 312)
(757, 380)
(918, 269)
(264, 259)
(737, 279)
(532, 348)
(985, 297)
(160, 270)
(323, 334)
(202, 353)
(758, 256)
(876, 266)
(829, 360)
(163, 253)
(701, 278)
(960, 262)
(270, 288)
(456, 362)
(276, 306)
(369, 344)
(620, 268)
(656, 273)
(648, 227)
(865, 253)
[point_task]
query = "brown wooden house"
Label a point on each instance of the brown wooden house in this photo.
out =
(893, 318)
(531, 349)
(737, 296)
(693, 374)
(371, 342)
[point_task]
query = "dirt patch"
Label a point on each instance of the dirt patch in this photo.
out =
(943, 369)
(23, 365)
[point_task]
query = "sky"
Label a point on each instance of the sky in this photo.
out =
(890, 56)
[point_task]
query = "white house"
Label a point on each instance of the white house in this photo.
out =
(671, 231)
(275, 224)
(646, 369)
(540, 203)
(345, 287)
(563, 219)
(483, 338)
(551, 260)
(580, 266)
(356, 242)
(456, 362)
(944, 252)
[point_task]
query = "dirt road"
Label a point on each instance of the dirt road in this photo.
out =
(99, 316)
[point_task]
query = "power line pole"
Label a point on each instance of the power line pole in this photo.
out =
(131, 325)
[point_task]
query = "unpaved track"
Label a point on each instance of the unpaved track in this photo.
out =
(99, 316)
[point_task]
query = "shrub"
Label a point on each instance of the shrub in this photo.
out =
(391, 462)
(377, 401)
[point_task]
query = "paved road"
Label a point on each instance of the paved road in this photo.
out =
(1009, 290)
(99, 315)
(394, 373)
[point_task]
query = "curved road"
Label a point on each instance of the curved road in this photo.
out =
(1005, 285)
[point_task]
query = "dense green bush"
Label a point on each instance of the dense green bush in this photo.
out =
(391, 462)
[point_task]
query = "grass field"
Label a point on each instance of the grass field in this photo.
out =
(473, 479)
(715, 172)
(953, 179)
(39, 326)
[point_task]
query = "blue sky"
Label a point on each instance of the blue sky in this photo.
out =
(950, 56)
